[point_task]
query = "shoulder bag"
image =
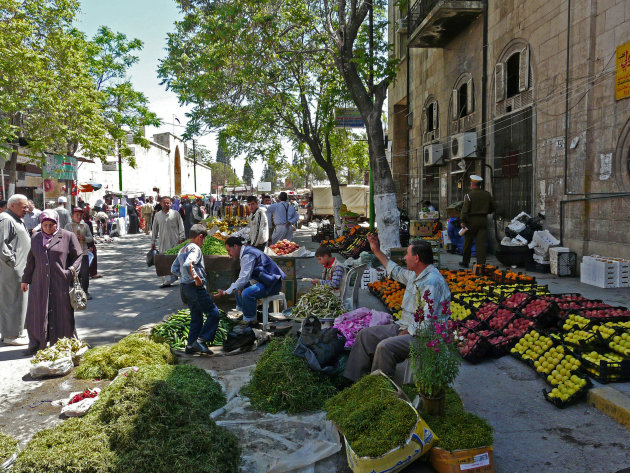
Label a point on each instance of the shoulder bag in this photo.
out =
(78, 299)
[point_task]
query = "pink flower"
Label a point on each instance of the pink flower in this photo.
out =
(437, 349)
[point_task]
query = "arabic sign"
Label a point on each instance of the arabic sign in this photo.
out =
(622, 77)
(61, 167)
(264, 187)
(348, 118)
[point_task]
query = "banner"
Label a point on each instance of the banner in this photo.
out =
(61, 167)
(622, 76)
(348, 118)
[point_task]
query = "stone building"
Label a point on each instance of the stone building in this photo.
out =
(528, 94)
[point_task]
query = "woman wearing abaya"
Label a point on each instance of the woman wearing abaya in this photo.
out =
(54, 251)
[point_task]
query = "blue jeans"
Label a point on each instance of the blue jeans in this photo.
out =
(200, 302)
(248, 299)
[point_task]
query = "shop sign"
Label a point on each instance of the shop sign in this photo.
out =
(348, 118)
(61, 167)
(622, 77)
(264, 187)
(110, 166)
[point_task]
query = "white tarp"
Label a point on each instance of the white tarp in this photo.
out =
(274, 443)
(356, 199)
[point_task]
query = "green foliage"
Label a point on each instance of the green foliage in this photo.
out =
(78, 445)
(211, 246)
(371, 416)
(126, 110)
(154, 420)
(47, 96)
(8, 446)
(133, 350)
(283, 382)
(458, 429)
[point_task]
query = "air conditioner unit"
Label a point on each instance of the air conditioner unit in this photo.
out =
(463, 145)
(401, 25)
(431, 154)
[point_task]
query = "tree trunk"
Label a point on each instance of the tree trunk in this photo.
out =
(12, 172)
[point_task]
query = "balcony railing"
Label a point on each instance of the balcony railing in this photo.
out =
(433, 23)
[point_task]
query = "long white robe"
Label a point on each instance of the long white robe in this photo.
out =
(15, 243)
(167, 230)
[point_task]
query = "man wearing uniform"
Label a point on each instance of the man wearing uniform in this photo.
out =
(478, 203)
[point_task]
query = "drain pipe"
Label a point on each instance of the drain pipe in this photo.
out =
(584, 199)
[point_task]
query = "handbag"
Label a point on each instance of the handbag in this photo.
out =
(78, 299)
(151, 257)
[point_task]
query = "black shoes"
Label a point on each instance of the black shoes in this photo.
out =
(198, 347)
(89, 296)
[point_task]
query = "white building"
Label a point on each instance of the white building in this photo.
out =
(166, 166)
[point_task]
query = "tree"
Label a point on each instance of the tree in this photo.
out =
(360, 54)
(248, 174)
(222, 174)
(126, 110)
(44, 82)
(258, 71)
(222, 157)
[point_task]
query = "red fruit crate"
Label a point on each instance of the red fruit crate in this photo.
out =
(543, 313)
(516, 300)
(500, 318)
(501, 345)
(475, 348)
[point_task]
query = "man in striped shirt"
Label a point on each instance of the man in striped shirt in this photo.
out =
(333, 272)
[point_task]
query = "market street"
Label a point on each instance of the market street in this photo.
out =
(530, 434)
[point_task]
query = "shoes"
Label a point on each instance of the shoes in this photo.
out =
(15, 341)
(198, 347)
(31, 351)
(247, 323)
(463, 265)
(96, 276)
(88, 296)
(165, 285)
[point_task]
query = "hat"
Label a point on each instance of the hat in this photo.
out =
(77, 209)
(49, 214)
(476, 178)
(62, 200)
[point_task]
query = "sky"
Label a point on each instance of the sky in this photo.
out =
(150, 21)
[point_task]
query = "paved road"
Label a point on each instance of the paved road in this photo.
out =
(530, 434)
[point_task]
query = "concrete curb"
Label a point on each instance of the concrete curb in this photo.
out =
(611, 402)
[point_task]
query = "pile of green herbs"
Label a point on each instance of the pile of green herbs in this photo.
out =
(282, 381)
(63, 348)
(133, 350)
(154, 420)
(174, 330)
(371, 416)
(8, 446)
(319, 301)
(211, 246)
(458, 429)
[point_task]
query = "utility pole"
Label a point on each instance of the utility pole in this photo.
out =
(195, 165)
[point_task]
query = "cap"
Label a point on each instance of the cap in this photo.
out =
(77, 209)
(62, 200)
(476, 178)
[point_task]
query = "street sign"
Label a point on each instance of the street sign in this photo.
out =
(61, 167)
(264, 187)
(348, 118)
(110, 166)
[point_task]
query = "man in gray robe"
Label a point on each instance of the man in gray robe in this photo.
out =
(15, 243)
(64, 215)
(167, 231)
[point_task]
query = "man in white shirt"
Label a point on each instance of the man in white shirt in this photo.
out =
(167, 231)
(31, 219)
(284, 216)
(258, 226)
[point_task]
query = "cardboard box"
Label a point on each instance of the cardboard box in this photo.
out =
(476, 460)
(419, 228)
(428, 215)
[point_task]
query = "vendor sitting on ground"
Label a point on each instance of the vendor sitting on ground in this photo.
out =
(384, 346)
(333, 272)
(259, 277)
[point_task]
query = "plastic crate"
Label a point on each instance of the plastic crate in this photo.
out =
(564, 265)
(477, 352)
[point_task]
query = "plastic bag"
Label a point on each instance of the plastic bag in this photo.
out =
(59, 367)
(76, 409)
(151, 257)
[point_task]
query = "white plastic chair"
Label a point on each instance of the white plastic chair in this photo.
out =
(345, 285)
(276, 299)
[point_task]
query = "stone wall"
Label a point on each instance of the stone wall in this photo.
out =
(586, 159)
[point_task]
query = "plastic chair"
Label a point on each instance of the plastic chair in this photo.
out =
(276, 298)
(345, 285)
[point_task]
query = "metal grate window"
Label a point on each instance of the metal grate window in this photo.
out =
(513, 168)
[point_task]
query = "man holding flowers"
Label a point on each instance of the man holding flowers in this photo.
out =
(384, 346)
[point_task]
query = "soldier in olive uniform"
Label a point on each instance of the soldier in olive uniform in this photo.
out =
(478, 203)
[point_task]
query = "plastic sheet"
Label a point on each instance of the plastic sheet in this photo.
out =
(277, 443)
(59, 367)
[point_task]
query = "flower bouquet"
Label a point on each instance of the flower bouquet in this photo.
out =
(434, 357)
